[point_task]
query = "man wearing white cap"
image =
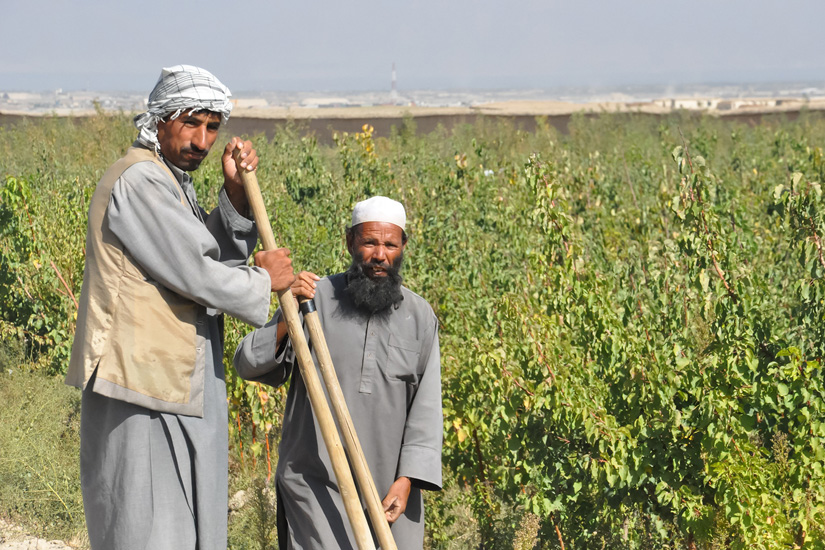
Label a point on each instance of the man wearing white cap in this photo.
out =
(383, 339)
(148, 347)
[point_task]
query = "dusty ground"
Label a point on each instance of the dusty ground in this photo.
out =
(12, 537)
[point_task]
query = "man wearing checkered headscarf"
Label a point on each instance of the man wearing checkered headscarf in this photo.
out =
(148, 349)
(181, 88)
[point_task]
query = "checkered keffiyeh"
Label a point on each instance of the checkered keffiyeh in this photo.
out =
(181, 88)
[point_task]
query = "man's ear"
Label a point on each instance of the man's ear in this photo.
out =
(351, 234)
(349, 238)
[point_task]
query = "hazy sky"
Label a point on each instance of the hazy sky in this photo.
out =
(351, 44)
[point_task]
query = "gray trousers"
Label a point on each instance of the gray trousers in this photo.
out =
(154, 481)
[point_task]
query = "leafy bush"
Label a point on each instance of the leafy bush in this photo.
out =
(631, 314)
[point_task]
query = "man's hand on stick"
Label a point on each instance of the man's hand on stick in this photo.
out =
(248, 159)
(304, 285)
(279, 266)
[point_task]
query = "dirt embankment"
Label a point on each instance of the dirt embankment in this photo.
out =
(525, 115)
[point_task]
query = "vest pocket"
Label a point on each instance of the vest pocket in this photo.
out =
(152, 341)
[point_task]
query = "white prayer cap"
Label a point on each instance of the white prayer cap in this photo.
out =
(379, 209)
(181, 88)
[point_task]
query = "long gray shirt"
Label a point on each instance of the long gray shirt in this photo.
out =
(159, 480)
(388, 365)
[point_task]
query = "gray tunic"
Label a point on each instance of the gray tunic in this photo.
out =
(388, 366)
(155, 480)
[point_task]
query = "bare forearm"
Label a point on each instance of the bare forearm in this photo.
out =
(280, 334)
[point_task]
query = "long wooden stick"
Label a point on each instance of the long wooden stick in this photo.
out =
(326, 423)
(353, 446)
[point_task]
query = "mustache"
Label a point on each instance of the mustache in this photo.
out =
(393, 267)
(377, 263)
(191, 148)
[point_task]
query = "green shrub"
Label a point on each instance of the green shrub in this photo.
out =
(631, 314)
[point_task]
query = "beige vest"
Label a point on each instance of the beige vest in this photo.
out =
(137, 335)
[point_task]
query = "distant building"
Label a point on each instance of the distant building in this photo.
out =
(21, 97)
(691, 104)
(694, 104)
(322, 102)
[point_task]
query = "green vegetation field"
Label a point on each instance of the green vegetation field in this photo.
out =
(632, 322)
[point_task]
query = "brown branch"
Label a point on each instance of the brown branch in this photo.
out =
(563, 241)
(240, 437)
(69, 290)
(23, 286)
(31, 221)
(268, 460)
(254, 440)
(690, 165)
(558, 534)
(516, 382)
(504, 363)
(630, 183)
(482, 468)
(717, 268)
(817, 241)
(539, 349)
(555, 222)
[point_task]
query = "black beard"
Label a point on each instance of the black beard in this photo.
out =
(374, 294)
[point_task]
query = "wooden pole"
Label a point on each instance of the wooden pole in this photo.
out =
(326, 423)
(369, 493)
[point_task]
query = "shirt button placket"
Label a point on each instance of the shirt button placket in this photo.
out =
(369, 360)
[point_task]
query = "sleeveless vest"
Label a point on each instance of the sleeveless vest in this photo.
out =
(135, 336)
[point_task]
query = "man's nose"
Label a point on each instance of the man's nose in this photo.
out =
(379, 253)
(200, 139)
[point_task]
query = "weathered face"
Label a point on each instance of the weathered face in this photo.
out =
(186, 141)
(377, 244)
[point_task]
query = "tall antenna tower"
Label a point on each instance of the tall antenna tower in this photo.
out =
(393, 89)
